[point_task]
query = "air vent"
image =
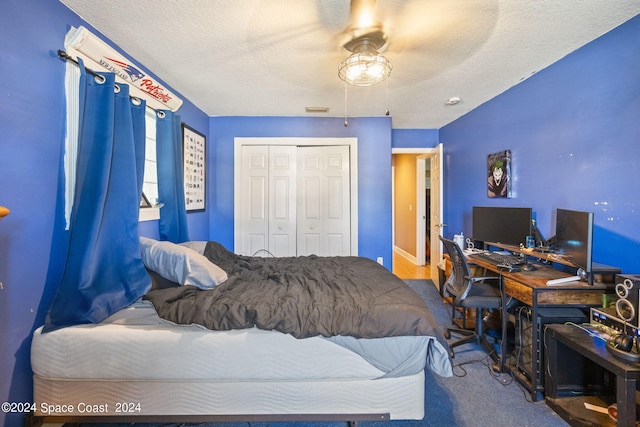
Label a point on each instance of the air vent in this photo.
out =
(316, 109)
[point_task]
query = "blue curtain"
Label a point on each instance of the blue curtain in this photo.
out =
(173, 214)
(104, 271)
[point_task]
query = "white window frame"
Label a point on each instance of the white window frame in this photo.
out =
(150, 183)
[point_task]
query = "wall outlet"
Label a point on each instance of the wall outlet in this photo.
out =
(380, 260)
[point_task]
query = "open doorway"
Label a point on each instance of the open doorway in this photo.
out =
(417, 202)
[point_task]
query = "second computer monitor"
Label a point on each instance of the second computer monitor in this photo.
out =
(504, 225)
(574, 237)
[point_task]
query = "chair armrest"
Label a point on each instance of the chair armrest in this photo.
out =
(474, 279)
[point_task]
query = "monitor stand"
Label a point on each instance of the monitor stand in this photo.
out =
(526, 266)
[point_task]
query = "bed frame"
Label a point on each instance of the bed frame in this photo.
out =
(32, 420)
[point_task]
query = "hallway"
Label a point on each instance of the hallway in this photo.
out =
(405, 269)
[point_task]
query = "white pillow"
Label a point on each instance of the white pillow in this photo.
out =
(197, 245)
(180, 264)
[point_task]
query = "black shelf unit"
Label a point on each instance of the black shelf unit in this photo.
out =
(579, 369)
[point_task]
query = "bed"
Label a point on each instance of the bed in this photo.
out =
(227, 337)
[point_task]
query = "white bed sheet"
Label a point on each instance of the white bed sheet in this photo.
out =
(136, 344)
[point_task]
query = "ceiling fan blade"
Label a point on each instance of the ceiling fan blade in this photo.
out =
(362, 13)
(441, 24)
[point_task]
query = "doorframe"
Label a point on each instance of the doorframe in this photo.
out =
(352, 143)
(421, 205)
(421, 209)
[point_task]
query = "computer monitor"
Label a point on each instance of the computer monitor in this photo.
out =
(505, 225)
(574, 237)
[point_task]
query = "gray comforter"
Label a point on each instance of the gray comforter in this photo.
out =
(302, 296)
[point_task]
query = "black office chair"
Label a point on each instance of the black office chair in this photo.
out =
(469, 292)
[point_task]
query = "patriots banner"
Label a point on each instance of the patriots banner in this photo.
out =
(99, 56)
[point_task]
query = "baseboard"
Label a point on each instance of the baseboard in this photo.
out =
(405, 254)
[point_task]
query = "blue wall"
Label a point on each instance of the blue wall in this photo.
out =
(374, 171)
(32, 237)
(415, 138)
(574, 132)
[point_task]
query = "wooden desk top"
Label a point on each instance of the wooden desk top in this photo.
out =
(535, 278)
(542, 272)
(531, 288)
(532, 252)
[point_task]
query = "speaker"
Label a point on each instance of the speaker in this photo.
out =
(628, 291)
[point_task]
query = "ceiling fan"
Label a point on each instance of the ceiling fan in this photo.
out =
(423, 38)
(364, 37)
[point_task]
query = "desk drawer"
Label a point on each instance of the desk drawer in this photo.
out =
(585, 295)
(519, 291)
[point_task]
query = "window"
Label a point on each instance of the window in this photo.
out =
(149, 206)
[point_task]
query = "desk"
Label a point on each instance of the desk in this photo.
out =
(530, 288)
(581, 369)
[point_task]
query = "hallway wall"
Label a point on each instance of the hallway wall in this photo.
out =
(405, 202)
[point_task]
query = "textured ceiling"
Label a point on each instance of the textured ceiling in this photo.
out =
(276, 57)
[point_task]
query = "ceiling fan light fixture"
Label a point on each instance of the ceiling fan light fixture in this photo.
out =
(365, 68)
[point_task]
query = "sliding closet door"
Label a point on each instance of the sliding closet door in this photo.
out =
(268, 201)
(282, 200)
(323, 203)
(254, 197)
(294, 201)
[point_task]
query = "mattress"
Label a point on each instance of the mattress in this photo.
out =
(136, 344)
(155, 367)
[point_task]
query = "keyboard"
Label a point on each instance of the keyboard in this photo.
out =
(497, 258)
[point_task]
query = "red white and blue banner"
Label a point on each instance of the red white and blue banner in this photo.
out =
(99, 56)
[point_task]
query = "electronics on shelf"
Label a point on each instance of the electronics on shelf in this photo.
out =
(607, 316)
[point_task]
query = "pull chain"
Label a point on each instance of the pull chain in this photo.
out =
(386, 113)
(346, 123)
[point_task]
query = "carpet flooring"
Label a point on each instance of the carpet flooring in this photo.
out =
(474, 396)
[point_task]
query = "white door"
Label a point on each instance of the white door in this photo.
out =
(436, 213)
(294, 201)
(254, 197)
(282, 200)
(323, 209)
